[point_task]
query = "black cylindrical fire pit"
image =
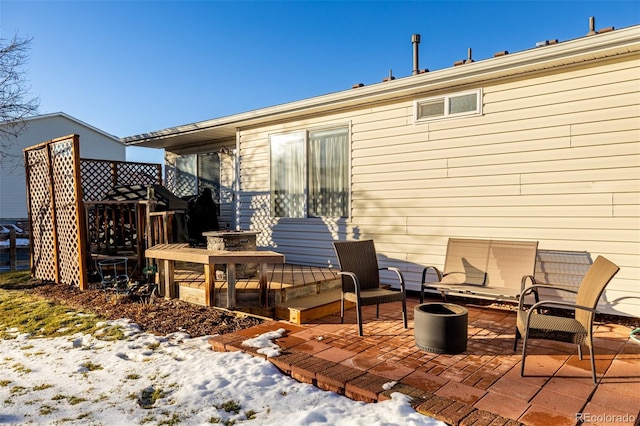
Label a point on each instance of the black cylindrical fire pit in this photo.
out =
(441, 327)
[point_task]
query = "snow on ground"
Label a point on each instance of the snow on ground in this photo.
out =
(173, 379)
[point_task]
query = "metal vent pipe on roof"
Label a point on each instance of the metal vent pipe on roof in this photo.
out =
(415, 40)
(592, 26)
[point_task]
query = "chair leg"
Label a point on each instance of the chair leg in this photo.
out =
(580, 352)
(342, 309)
(524, 351)
(515, 342)
(404, 312)
(377, 310)
(359, 314)
(593, 364)
(422, 293)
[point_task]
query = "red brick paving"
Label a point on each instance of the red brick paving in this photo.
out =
(481, 386)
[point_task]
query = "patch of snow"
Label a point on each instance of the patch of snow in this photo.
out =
(148, 379)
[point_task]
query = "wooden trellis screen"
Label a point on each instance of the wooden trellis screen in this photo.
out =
(56, 216)
(99, 176)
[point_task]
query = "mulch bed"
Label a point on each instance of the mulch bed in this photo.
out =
(160, 316)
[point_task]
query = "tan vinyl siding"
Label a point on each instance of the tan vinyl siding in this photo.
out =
(555, 157)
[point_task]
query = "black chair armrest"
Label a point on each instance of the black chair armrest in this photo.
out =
(398, 273)
(534, 289)
(354, 278)
(523, 286)
(561, 304)
(551, 303)
(426, 270)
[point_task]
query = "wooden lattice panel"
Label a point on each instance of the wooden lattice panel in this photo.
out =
(40, 214)
(138, 173)
(55, 217)
(99, 176)
(66, 211)
(96, 179)
(57, 181)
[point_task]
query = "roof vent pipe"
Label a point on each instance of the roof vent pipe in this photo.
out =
(415, 40)
(391, 77)
(469, 59)
(592, 26)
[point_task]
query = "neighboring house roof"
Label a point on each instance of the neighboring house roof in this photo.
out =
(584, 49)
(80, 122)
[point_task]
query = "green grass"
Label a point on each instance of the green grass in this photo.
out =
(21, 312)
(15, 280)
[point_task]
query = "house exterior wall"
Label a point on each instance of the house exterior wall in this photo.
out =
(554, 157)
(93, 144)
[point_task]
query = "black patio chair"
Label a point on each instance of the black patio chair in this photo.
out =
(361, 279)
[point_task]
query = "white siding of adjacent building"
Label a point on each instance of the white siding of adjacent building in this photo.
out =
(555, 157)
(94, 144)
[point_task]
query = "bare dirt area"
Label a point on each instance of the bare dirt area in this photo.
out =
(158, 316)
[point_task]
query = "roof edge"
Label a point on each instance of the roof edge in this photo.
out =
(530, 60)
(69, 117)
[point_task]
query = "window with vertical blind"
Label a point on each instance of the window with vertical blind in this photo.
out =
(310, 173)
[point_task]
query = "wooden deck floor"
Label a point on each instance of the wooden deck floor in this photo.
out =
(280, 276)
(286, 281)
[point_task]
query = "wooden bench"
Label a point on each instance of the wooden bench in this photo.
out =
(491, 269)
(168, 254)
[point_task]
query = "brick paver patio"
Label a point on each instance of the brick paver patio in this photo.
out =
(480, 386)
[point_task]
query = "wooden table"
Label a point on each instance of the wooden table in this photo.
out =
(168, 254)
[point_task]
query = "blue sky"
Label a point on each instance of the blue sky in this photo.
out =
(130, 67)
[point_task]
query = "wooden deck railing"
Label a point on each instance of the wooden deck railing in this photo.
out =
(126, 228)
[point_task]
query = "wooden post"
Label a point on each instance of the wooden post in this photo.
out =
(83, 250)
(231, 285)
(167, 280)
(142, 229)
(209, 284)
(264, 286)
(13, 252)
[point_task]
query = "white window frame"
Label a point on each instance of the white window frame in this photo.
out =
(306, 132)
(446, 99)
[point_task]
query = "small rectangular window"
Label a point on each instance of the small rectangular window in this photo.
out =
(462, 104)
(452, 105)
(433, 108)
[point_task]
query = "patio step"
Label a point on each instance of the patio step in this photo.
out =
(305, 309)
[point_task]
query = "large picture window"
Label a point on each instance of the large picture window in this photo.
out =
(310, 173)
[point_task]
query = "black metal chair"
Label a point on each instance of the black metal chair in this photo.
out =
(361, 279)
